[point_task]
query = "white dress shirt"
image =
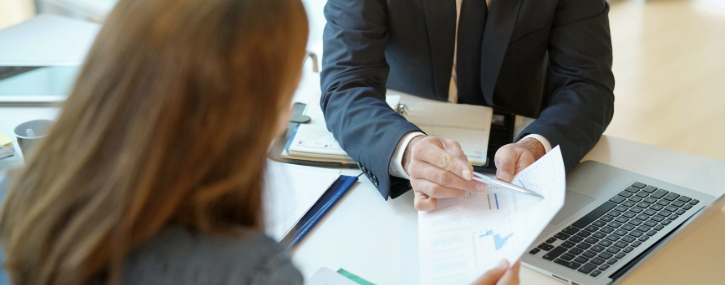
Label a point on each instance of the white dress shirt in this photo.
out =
(396, 163)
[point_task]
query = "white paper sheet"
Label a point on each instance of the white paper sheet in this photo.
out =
(326, 276)
(469, 125)
(467, 236)
(290, 191)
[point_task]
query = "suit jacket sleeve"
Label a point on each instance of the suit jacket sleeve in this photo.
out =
(579, 80)
(353, 79)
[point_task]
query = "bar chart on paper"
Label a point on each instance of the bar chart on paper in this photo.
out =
(468, 235)
(489, 238)
(494, 203)
(501, 239)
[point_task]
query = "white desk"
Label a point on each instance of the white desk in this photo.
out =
(377, 239)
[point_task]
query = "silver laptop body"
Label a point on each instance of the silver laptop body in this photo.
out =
(611, 219)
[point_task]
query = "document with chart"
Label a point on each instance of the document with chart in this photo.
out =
(467, 236)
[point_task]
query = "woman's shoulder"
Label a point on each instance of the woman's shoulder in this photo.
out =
(180, 256)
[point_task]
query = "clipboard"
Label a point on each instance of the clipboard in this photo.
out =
(279, 144)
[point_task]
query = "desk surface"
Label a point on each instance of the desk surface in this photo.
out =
(377, 239)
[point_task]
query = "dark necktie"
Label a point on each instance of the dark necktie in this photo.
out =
(468, 59)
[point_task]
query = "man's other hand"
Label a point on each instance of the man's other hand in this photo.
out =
(438, 168)
(501, 276)
(514, 157)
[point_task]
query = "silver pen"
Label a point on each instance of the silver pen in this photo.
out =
(493, 181)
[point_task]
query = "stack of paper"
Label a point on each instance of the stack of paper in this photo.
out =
(469, 235)
(313, 142)
(6, 146)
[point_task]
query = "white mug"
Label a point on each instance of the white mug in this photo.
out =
(30, 132)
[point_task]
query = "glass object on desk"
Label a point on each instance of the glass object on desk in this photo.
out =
(36, 84)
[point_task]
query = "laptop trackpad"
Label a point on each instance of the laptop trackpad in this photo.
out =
(573, 202)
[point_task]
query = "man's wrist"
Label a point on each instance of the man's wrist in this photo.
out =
(541, 139)
(534, 146)
(409, 152)
(395, 168)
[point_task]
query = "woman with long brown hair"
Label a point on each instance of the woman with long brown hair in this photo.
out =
(152, 174)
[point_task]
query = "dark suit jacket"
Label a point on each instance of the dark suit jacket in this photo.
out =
(546, 59)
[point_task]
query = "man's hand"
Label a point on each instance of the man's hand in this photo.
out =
(438, 169)
(514, 157)
(501, 276)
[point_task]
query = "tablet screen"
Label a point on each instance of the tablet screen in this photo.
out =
(36, 84)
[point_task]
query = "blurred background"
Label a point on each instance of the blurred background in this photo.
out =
(669, 65)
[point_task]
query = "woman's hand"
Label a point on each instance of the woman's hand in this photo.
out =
(500, 276)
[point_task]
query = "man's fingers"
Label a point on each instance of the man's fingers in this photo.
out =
(525, 159)
(511, 277)
(493, 275)
(434, 190)
(505, 159)
(447, 179)
(423, 202)
(454, 148)
(442, 159)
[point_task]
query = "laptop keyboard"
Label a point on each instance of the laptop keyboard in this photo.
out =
(608, 233)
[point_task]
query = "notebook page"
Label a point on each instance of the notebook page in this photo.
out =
(469, 235)
(313, 140)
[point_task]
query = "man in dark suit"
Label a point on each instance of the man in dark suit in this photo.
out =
(546, 59)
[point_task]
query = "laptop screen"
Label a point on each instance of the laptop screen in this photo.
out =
(695, 254)
(36, 84)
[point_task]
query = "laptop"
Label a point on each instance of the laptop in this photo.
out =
(611, 220)
(694, 254)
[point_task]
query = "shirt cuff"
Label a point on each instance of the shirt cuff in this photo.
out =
(396, 162)
(541, 139)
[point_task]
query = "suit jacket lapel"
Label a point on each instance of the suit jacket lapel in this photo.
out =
(500, 24)
(440, 18)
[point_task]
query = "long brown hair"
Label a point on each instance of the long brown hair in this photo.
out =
(168, 122)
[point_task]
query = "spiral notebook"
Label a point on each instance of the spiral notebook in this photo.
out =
(469, 125)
